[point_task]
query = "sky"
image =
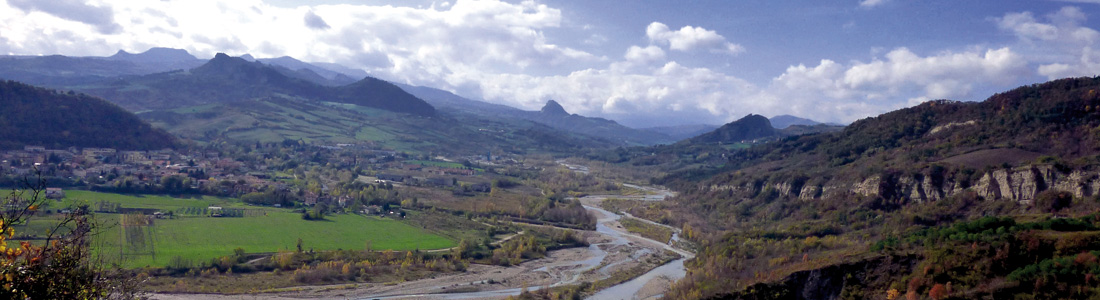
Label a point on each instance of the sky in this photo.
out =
(642, 63)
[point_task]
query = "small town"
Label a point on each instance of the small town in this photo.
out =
(181, 172)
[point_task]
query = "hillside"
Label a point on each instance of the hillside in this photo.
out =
(744, 130)
(556, 117)
(229, 79)
(683, 132)
(893, 192)
(41, 117)
(784, 121)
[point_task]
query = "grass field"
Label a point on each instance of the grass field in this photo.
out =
(198, 239)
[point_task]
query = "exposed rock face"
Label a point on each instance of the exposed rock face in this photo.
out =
(1020, 184)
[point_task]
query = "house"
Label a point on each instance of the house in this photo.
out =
(452, 171)
(310, 199)
(54, 193)
(34, 148)
(133, 156)
(372, 210)
(391, 177)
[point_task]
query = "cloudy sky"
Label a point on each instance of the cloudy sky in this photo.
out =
(643, 63)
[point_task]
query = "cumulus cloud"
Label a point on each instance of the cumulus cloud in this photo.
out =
(842, 92)
(497, 51)
(689, 38)
(314, 21)
(650, 97)
(100, 17)
(647, 54)
(1067, 49)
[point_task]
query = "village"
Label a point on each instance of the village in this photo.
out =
(209, 172)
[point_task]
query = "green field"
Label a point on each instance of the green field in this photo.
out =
(145, 201)
(198, 239)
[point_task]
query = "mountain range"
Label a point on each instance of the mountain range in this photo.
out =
(160, 81)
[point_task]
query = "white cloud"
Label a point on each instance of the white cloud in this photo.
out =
(497, 51)
(100, 17)
(689, 38)
(1062, 46)
(666, 92)
(871, 3)
(401, 43)
(836, 92)
(647, 54)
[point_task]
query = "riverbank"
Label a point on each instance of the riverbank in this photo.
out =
(612, 250)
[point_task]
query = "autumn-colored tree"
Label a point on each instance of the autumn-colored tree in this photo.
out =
(59, 268)
(938, 291)
(892, 294)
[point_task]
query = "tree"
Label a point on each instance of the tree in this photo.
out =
(61, 267)
(1053, 201)
(939, 291)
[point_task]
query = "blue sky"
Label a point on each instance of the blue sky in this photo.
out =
(643, 63)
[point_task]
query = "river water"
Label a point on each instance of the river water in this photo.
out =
(631, 289)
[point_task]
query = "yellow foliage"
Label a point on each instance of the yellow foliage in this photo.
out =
(892, 294)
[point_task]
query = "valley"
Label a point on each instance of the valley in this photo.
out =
(234, 178)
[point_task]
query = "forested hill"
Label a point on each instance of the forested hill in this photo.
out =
(743, 130)
(880, 193)
(36, 116)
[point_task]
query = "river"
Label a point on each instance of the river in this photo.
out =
(650, 285)
(560, 267)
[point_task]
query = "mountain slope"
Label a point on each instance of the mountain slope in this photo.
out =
(914, 191)
(35, 116)
(230, 79)
(784, 121)
(557, 117)
(156, 55)
(683, 132)
(743, 130)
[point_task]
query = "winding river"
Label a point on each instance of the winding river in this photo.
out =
(635, 288)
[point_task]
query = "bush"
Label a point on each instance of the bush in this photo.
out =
(1053, 201)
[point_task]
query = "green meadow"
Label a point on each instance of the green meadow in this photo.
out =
(198, 239)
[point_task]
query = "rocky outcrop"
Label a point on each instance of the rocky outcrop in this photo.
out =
(1021, 184)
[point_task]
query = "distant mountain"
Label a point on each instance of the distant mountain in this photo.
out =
(31, 115)
(231, 79)
(58, 71)
(311, 72)
(743, 130)
(552, 108)
(382, 94)
(552, 114)
(784, 121)
(683, 131)
(155, 55)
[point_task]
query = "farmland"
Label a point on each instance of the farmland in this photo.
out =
(196, 238)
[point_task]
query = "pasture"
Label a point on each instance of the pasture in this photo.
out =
(197, 238)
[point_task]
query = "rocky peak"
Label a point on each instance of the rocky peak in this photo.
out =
(553, 108)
